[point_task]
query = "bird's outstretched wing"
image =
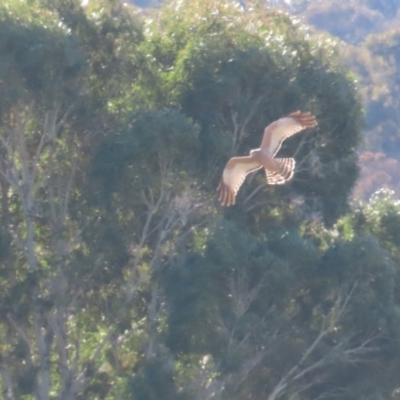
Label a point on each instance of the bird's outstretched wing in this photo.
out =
(233, 176)
(281, 129)
(287, 169)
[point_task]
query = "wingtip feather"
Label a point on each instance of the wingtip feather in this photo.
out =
(305, 119)
(226, 195)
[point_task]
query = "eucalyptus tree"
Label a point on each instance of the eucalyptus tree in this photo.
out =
(60, 70)
(234, 72)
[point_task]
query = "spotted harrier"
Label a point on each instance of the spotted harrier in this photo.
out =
(277, 170)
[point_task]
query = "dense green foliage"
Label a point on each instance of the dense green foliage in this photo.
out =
(121, 276)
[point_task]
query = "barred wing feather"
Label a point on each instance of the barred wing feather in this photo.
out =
(287, 168)
(283, 128)
(233, 176)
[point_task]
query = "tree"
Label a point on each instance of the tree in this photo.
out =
(282, 317)
(57, 82)
(236, 71)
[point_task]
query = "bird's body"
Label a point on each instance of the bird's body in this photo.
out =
(277, 170)
(265, 159)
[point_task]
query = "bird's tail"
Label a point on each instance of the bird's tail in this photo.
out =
(286, 166)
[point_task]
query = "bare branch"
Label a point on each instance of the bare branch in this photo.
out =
(300, 369)
(252, 194)
(21, 333)
(242, 295)
(61, 120)
(239, 129)
(68, 189)
(5, 143)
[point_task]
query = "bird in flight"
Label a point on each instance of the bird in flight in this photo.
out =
(277, 170)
